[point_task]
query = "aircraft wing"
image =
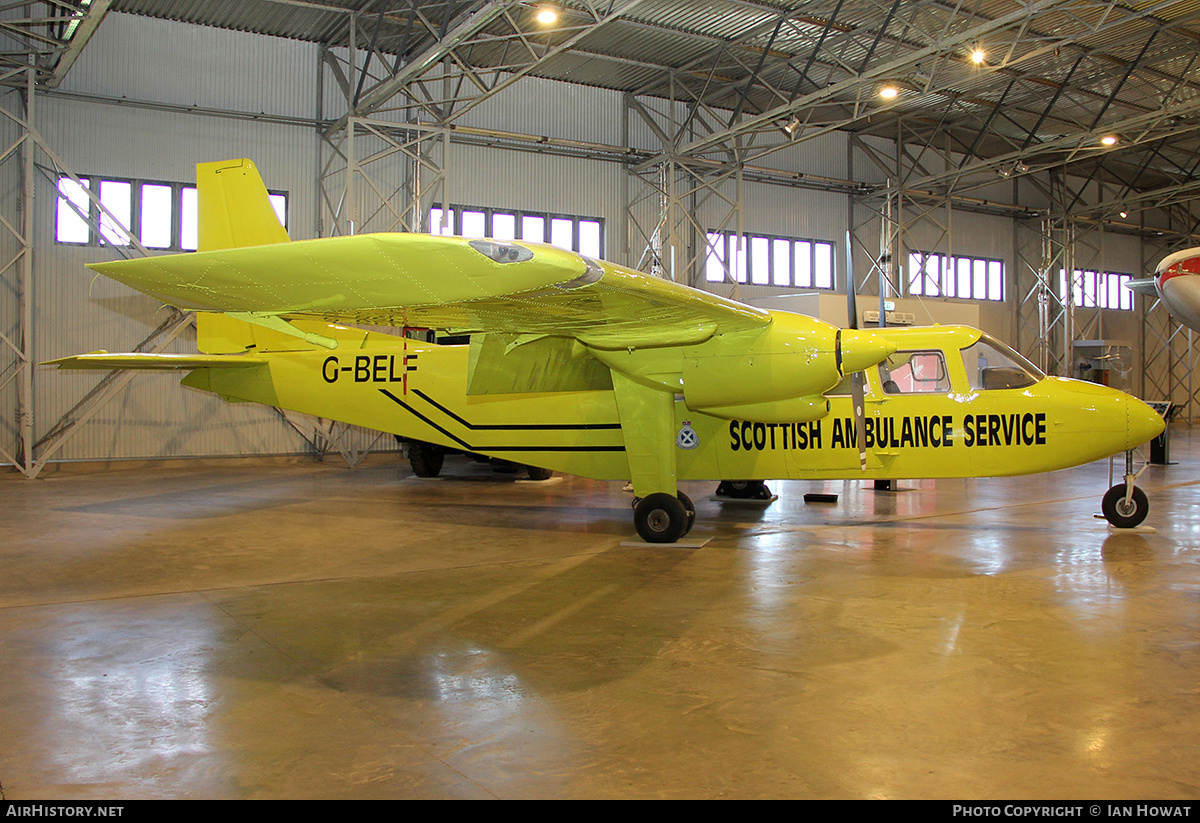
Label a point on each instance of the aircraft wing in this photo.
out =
(448, 283)
(147, 360)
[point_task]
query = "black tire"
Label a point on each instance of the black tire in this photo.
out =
(690, 508)
(660, 518)
(536, 473)
(425, 458)
(1120, 514)
(744, 489)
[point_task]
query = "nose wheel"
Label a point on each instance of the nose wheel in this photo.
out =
(1125, 506)
(1125, 509)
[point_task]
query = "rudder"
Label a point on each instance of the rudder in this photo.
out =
(235, 210)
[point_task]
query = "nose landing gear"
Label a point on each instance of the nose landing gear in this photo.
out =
(1125, 506)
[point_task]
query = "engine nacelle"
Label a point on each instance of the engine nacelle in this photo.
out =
(788, 410)
(780, 371)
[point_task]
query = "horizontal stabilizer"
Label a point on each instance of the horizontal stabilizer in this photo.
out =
(162, 362)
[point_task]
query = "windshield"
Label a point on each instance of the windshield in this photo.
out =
(993, 365)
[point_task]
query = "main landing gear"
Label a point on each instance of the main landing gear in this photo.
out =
(662, 518)
(743, 490)
(1125, 506)
(427, 459)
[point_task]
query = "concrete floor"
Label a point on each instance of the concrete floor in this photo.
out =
(273, 630)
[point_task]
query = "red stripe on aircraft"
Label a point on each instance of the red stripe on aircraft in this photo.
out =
(1188, 265)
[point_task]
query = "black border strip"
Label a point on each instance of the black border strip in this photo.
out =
(468, 447)
(513, 427)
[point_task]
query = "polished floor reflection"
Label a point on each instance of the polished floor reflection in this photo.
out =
(274, 630)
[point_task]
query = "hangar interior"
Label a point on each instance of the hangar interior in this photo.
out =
(212, 599)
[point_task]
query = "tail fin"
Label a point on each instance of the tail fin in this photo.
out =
(235, 210)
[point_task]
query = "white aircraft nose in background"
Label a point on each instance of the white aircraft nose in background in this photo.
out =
(1177, 282)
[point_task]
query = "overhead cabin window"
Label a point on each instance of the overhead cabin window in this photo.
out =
(965, 278)
(567, 231)
(992, 365)
(914, 372)
(1097, 290)
(767, 260)
(113, 211)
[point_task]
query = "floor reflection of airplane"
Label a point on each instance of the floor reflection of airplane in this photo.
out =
(593, 369)
(1176, 281)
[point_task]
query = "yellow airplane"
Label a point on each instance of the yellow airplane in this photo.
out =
(589, 368)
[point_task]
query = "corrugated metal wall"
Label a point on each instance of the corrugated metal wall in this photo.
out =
(244, 75)
(75, 311)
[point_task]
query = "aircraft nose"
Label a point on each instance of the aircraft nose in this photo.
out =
(863, 349)
(1142, 423)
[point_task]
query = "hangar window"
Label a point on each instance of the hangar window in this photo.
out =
(966, 278)
(1097, 290)
(567, 231)
(159, 215)
(768, 260)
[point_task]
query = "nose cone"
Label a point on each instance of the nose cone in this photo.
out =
(1142, 423)
(862, 349)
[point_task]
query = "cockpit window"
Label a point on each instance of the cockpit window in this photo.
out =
(993, 365)
(914, 372)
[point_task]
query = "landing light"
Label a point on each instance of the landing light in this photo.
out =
(501, 252)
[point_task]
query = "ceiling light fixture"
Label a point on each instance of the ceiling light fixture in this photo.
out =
(1109, 140)
(977, 57)
(546, 15)
(889, 91)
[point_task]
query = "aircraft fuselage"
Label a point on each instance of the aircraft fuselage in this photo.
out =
(420, 391)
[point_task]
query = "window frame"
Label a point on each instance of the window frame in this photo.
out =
(950, 279)
(1104, 285)
(944, 380)
(727, 261)
(521, 219)
(135, 228)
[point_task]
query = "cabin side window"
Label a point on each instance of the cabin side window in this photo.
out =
(914, 372)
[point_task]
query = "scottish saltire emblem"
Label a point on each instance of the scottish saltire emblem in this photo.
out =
(687, 437)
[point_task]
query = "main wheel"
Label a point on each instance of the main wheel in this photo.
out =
(536, 473)
(425, 458)
(661, 518)
(1121, 514)
(744, 489)
(690, 508)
